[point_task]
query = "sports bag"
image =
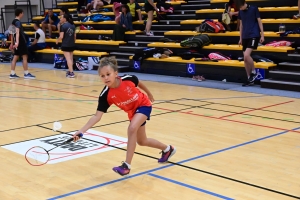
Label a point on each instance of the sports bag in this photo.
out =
(218, 56)
(210, 26)
(196, 41)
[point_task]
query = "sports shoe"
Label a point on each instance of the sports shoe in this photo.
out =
(12, 76)
(252, 77)
(166, 156)
(150, 33)
(70, 75)
(122, 170)
(29, 76)
(296, 16)
(248, 83)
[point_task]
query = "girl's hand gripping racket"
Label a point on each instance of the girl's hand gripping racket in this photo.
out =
(37, 156)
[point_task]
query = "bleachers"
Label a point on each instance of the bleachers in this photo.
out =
(179, 26)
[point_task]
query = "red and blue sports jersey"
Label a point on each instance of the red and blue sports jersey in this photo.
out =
(127, 96)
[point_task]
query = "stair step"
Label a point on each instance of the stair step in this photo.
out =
(185, 15)
(294, 54)
(285, 75)
(123, 59)
(200, 1)
(121, 53)
(145, 36)
(163, 25)
(290, 64)
(281, 85)
(142, 42)
(171, 20)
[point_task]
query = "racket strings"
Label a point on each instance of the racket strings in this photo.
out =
(37, 156)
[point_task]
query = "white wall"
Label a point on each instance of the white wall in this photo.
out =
(10, 16)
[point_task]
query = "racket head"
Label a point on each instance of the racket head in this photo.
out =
(12, 29)
(37, 156)
(77, 29)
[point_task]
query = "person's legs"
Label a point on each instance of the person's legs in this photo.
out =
(149, 21)
(51, 28)
(44, 27)
(13, 67)
(142, 140)
(298, 14)
(248, 61)
(69, 60)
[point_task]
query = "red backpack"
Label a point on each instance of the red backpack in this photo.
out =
(210, 26)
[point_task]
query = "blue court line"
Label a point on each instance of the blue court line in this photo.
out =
(190, 186)
(169, 165)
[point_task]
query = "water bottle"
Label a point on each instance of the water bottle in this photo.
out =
(99, 37)
(281, 28)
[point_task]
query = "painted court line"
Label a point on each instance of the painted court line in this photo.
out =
(190, 186)
(236, 121)
(169, 165)
(256, 109)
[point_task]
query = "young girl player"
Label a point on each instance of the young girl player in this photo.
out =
(123, 92)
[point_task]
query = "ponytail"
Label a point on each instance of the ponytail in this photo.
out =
(68, 17)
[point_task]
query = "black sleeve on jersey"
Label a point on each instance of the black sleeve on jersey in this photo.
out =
(131, 78)
(103, 104)
(37, 35)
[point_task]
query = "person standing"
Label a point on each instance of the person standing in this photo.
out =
(19, 47)
(251, 32)
(68, 36)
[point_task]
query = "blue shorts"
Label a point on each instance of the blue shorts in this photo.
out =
(146, 110)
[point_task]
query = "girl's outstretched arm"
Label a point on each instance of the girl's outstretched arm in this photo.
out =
(93, 120)
(143, 87)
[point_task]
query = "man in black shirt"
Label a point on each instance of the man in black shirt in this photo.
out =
(19, 47)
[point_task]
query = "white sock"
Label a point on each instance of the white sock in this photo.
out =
(129, 166)
(12, 72)
(26, 72)
(167, 149)
(253, 71)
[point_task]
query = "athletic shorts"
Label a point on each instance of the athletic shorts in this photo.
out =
(146, 110)
(68, 49)
(21, 50)
(148, 7)
(251, 43)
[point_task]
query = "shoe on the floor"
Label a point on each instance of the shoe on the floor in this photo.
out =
(70, 75)
(13, 76)
(248, 83)
(122, 170)
(29, 76)
(166, 156)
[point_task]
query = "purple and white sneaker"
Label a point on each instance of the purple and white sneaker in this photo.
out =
(122, 170)
(166, 156)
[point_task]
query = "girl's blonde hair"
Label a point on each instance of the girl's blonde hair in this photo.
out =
(108, 61)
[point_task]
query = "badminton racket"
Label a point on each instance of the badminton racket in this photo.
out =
(12, 30)
(38, 156)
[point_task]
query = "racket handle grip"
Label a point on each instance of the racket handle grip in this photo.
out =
(71, 139)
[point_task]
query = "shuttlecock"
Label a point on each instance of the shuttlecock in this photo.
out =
(56, 126)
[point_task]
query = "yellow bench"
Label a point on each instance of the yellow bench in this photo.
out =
(265, 9)
(233, 33)
(76, 52)
(98, 32)
(225, 63)
(93, 42)
(226, 1)
(58, 10)
(222, 47)
(2, 49)
(267, 21)
(142, 4)
(67, 4)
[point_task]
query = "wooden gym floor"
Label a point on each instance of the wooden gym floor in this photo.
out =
(230, 145)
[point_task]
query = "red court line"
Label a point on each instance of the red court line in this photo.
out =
(256, 109)
(50, 89)
(236, 121)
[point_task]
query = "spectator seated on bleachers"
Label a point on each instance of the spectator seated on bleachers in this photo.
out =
(39, 43)
(50, 22)
(124, 25)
